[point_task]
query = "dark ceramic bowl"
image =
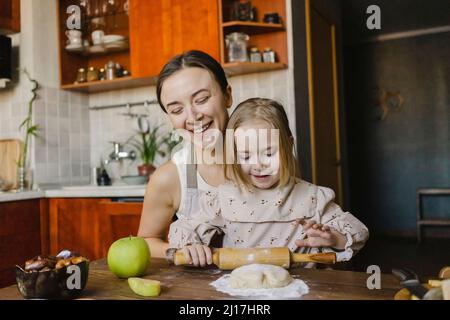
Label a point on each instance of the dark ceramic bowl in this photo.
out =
(63, 283)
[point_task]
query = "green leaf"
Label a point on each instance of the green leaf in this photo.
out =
(24, 122)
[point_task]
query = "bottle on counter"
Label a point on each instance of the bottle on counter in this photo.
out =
(104, 179)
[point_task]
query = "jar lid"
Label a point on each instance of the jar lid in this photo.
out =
(91, 68)
(267, 49)
(254, 49)
(81, 70)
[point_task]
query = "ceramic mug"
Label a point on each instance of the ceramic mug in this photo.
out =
(74, 37)
(97, 36)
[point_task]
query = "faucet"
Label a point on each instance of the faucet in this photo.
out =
(119, 154)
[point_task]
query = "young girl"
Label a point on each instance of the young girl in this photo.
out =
(263, 203)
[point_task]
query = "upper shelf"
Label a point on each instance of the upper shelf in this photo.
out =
(100, 49)
(109, 85)
(251, 28)
(231, 69)
(237, 68)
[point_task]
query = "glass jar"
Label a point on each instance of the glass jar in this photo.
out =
(236, 43)
(101, 74)
(92, 74)
(81, 75)
(269, 55)
(255, 55)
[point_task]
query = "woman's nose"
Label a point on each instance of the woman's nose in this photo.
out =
(193, 115)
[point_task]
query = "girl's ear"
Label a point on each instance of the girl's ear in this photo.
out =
(229, 97)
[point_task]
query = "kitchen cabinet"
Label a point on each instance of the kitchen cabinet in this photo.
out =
(23, 234)
(262, 35)
(117, 220)
(159, 29)
(9, 16)
(90, 225)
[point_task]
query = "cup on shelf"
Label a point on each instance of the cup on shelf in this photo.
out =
(97, 37)
(74, 38)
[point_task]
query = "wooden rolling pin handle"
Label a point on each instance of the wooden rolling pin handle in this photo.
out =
(324, 258)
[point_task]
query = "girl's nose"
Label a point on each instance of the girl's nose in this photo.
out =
(260, 165)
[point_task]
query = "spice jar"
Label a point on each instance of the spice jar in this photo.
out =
(255, 55)
(92, 74)
(81, 75)
(101, 74)
(269, 55)
(110, 70)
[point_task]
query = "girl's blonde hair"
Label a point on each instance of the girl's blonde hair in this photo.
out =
(271, 112)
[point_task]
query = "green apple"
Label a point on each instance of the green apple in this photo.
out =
(129, 257)
(145, 287)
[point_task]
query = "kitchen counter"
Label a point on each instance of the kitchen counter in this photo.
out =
(76, 192)
(18, 196)
(184, 283)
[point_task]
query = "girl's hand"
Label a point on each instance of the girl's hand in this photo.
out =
(319, 235)
(198, 255)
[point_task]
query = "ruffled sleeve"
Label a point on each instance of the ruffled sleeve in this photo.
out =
(344, 222)
(207, 224)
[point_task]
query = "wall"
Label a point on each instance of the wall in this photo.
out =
(61, 153)
(390, 159)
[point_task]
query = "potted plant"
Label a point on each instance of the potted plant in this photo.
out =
(148, 144)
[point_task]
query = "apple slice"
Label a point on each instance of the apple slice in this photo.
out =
(145, 287)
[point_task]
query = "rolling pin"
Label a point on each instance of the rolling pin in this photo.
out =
(231, 258)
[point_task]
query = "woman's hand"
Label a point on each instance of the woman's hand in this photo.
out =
(319, 235)
(198, 255)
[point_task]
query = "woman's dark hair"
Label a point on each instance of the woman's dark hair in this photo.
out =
(193, 58)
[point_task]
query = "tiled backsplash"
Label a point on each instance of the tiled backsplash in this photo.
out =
(117, 125)
(73, 138)
(63, 150)
(61, 153)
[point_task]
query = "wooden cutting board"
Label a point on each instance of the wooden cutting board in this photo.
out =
(10, 152)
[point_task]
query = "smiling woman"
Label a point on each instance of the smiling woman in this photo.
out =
(193, 90)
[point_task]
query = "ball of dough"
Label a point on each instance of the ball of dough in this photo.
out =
(258, 276)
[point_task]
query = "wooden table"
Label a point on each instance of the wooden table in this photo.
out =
(185, 283)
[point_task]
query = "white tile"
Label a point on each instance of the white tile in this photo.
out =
(264, 80)
(63, 110)
(65, 171)
(52, 125)
(64, 156)
(51, 94)
(63, 96)
(51, 140)
(76, 170)
(51, 109)
(41, 155)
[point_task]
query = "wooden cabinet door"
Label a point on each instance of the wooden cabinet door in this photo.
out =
(196, 26)
(10, 16)
(74, 226)
(20, 236)
(117, 220)
(160, 29)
